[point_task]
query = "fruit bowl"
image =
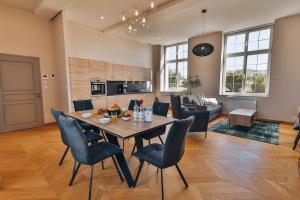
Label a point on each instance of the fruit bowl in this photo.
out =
(109, 111)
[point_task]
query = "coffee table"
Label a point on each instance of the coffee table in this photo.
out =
(242, 117)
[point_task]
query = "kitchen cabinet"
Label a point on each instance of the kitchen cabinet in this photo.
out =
(97, 70)
(147, 74)
(79, 78)
(128, 73)
(118, 99)
(114, 72)
(99, 102)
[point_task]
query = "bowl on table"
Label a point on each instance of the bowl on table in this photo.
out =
(86, 115)
(104, 120)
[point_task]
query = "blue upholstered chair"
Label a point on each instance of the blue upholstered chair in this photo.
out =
(85, 154)
(91, 137)
(159, 108)
(82, 105)
(164, 156)
(181, 112)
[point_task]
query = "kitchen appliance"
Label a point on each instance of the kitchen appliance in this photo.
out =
(115, 87)
(98, 87)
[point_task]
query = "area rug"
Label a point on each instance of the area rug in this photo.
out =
(262, 131)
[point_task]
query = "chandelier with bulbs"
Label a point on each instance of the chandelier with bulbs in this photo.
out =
(136, 17)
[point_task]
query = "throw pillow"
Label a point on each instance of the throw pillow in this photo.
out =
(184, 108)
(201, 99)
(210, 101)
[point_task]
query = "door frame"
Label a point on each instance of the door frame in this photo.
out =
(37, 66)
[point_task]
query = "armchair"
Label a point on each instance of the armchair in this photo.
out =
(179, 111)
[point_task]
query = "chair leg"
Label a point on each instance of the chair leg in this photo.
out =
(64, 155)
(118, 170)
(133, 149)
(296, 141)
(205, 134)
(161, 140)
(149, 142)
(162, 184)
(181, 175)
(75, 171)
(138, 173)
(123, 148)
(91, 182)
(102, 164)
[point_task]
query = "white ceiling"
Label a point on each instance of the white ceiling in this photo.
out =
(174, 24)
(29, 5)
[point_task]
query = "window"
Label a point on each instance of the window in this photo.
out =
(246, 63)
(175, 67)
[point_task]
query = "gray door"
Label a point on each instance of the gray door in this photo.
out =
(20, 97)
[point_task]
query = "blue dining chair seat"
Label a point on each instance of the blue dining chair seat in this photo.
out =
(101, 151)
(153, 154)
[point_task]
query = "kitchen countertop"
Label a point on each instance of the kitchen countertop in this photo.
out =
(130, 93)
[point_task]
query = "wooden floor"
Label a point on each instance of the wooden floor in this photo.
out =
(220, 167)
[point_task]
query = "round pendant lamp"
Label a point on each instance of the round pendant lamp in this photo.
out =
(203, 49)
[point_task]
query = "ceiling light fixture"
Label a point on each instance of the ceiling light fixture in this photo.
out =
(136, 11)
(136, 18)
(152, 4)
(102, 17)
(123, 17)
(203, 49)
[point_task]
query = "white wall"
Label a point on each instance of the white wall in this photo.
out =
(89, 43)
(22, 33)
(284, 96)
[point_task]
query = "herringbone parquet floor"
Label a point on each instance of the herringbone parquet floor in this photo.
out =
(220, 167)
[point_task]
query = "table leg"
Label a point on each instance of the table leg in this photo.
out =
(121, 161)
(138, 142)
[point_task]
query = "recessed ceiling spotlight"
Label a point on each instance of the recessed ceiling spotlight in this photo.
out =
(102, 17)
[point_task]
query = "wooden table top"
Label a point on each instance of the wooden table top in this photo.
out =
(243, 112)
(124, 129)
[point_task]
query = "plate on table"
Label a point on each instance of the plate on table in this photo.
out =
(126, 118)
(87, 115)
(104, 120)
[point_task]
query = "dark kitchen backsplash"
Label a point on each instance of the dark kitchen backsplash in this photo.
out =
(119, 87)
(137, 86)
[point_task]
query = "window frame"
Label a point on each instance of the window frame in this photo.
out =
(176, 61)
(246, 53)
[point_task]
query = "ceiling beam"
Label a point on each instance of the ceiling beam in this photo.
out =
(147, 13)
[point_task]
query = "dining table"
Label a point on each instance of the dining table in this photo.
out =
(123, 129)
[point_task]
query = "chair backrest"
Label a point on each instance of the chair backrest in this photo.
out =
(56, 114)
(175, 142)
(160, 108)
(132, 103)
(176, 106)
(76, 139)
(81, 105)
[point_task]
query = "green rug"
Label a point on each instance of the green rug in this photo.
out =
(261, 131)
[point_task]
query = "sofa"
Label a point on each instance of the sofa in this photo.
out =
(201, 103)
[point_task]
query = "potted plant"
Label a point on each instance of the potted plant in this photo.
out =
(190, 82)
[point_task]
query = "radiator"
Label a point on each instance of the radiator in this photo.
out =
(240, 102)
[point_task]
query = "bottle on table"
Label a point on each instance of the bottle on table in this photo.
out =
(135, 111)
(141, 111)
